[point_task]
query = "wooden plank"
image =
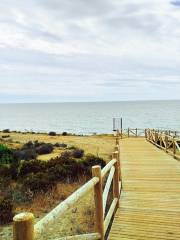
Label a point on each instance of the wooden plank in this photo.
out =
(90, 236)
(107, 187)
(150, 198)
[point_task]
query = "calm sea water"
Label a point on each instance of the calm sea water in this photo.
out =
(87, 118)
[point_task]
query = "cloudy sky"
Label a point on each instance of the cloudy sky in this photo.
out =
(89, 50)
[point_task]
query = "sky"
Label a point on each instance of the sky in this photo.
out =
(89, 50)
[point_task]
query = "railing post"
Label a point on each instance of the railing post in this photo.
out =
(117, 149)
(174, 147)
(156, 137)
(166, 141)
(148, 134)
(145, 133)
(116, 178)
(161, 139)
(118, 134)
(98, 197)
(136, 132)
(117, 140)
(23, 226)
(128, 132)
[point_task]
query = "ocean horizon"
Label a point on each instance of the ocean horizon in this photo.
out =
(90, 117)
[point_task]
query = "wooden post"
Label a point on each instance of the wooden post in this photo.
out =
(117, 133)
(117, 149)
(116, 178)
(145, 133)
(156, 137)
(160, 139)
(166, 141)
(136, 132)
(117, 140)
(148, 134)
(174, 147)
(128, 132)
(98, 197)
(23, 226)
(121, 128)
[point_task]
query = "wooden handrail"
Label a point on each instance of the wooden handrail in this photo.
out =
(110, 213)
(24, 228)
(107, 187)
(65, 205)
(107, 168)
(165, 141)
(89, 236)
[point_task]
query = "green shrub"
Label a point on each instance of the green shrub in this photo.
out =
(32, 166)
(6, 155)
(64, 134)
(4, 171)
(27, 145)
(67, 167)
(38, 182)
(6, 211)
(5, 136)
(57, 173)
(91, 160)
(18, 196)
(52, 133)
(25, 154)
(65, 157)
(62, 145)
(5, 184)
(77, 153)
(6, 131)
(44, 148)
(14, 169)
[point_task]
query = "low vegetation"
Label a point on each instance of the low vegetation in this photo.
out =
(5, 154)
(23, 176)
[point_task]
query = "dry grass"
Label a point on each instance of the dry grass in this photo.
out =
(43, 203)
(101, 145)
(77, 220)
(80, 218)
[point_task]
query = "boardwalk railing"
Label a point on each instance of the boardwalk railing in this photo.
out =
(23, 225)
(164, 140)
(140, 132)
(135, 132)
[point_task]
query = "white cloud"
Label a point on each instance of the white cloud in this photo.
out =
(89, 50)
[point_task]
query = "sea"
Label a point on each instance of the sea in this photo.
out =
(89, 117)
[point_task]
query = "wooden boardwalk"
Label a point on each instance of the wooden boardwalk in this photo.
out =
(150, 199)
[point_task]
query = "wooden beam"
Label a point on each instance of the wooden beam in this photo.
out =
(107, 187)
(108, 167)
(116, 179)
(96, 172)
(110, 214)
(23, 226)
(90, 236)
